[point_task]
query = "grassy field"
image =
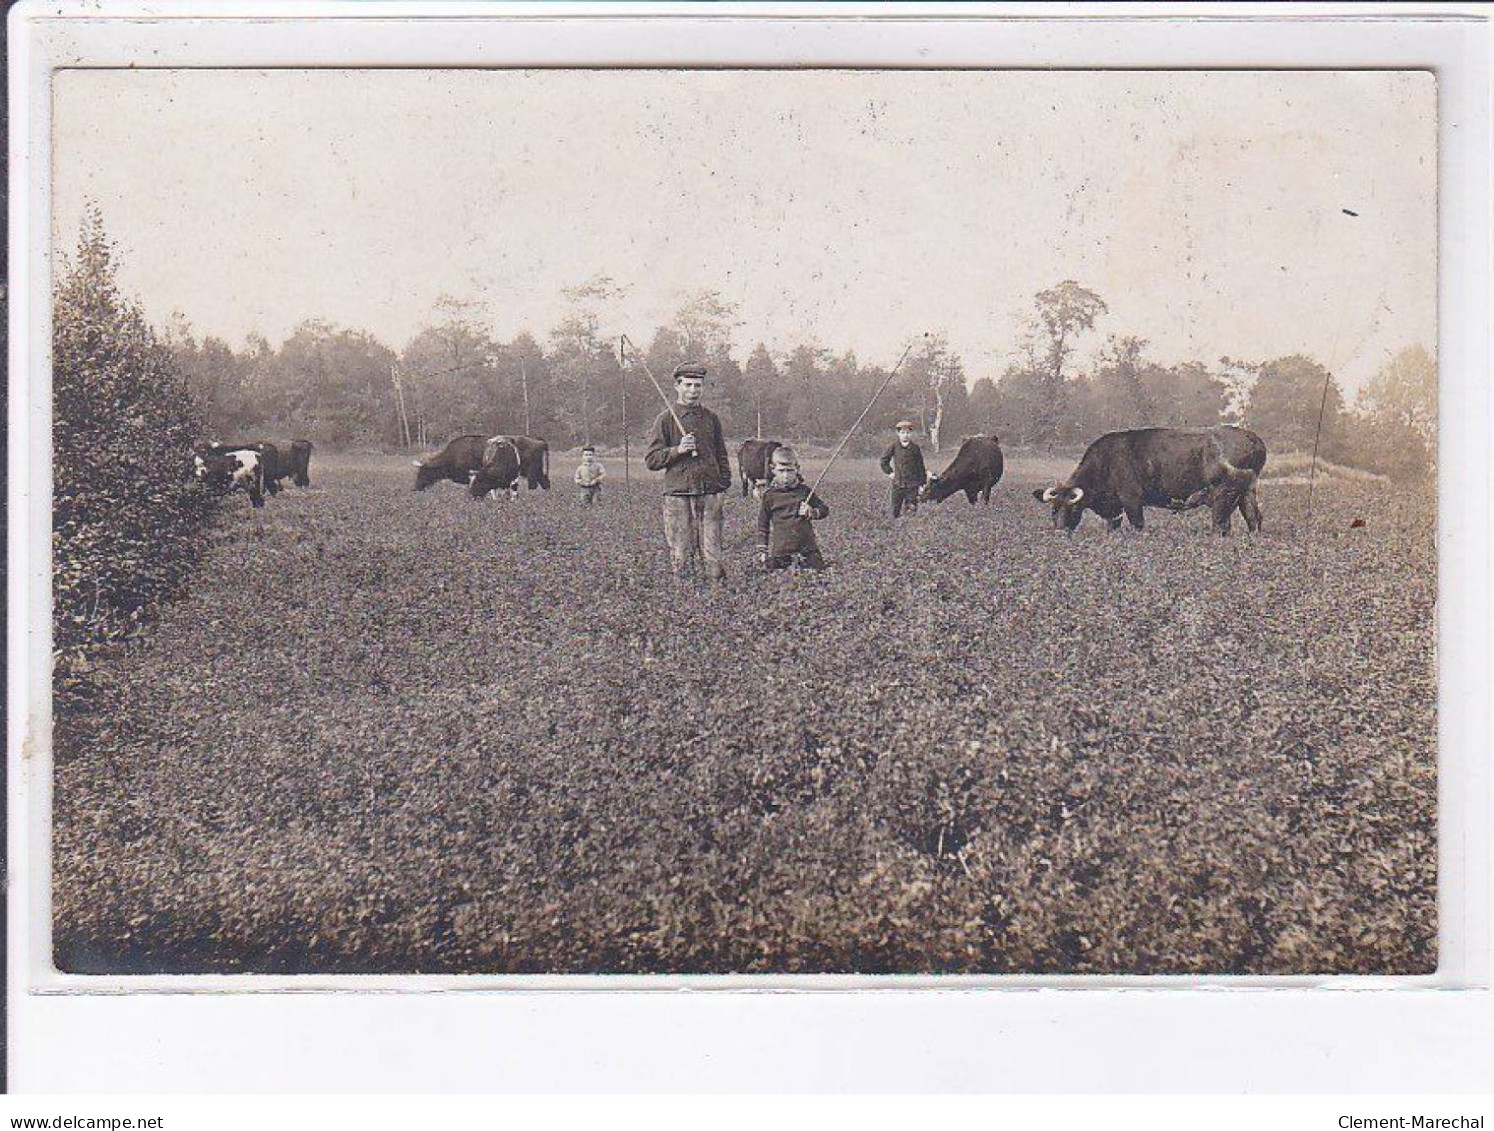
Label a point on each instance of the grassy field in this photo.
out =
(396, 732)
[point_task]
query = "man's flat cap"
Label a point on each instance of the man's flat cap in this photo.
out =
(905, 424)
(689, 369)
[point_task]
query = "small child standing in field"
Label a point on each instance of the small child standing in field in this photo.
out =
(589, 475)
(904, 462)
(785, 533)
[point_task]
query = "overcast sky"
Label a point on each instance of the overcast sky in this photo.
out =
(850, 208)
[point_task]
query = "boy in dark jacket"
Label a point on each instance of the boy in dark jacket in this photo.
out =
(904, 462)
(784, 521)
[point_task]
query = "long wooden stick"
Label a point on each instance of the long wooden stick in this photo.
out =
(625, 343)
(622, 385)
(1312, 471)
(836, 454)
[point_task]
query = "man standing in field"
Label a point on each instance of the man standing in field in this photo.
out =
(696, 474)
(904, 462)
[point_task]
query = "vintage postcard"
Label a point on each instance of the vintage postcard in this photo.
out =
(744, 521)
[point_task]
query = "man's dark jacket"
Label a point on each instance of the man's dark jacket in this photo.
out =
(708, 471)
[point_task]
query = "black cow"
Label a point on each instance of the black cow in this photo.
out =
(459, 461)
(1123, 472)
(976, 468)
(296, 465)
(534, 459)
(752, 463)
(236, 469)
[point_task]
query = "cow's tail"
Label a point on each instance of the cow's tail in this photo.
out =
(545, 454)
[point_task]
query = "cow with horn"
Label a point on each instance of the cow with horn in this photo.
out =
(1122, 473)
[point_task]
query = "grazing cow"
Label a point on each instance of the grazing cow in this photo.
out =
(298, 465)
(976, 468)
(534, 459)
(459, 461)
(502, 466)
(1123, 472)
(239, 469)
(270, 460)
(752, 464)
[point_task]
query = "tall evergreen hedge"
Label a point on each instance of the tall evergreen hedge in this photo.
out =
(127, 518)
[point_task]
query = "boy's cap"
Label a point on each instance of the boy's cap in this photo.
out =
(784, 455)
(904, 424)
(689, 369)
(587, 449)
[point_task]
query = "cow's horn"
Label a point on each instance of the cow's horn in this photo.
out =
(1050, 494)
(1076, 494)
(416, 463)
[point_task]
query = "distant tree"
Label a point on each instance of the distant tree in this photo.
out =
(808, 399)
(730, 396)
(984, 407)
(1184, 396)
(937, 377)
(1285, 403)
(706, 323)
(1120, 389)
(331, 385)
(1061, 314)
(1237, 379)
(1020, 395)
(459, 326)
(521, 388)
(761, 380)
(1129, 391)
(446, 373)
(1397, 411)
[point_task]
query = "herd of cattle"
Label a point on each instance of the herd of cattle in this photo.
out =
(255, 468)
(1120, 474)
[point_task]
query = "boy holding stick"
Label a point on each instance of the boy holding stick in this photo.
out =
(785, 534)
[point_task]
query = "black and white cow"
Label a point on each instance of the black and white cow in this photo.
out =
(272, 466)
(237, 469)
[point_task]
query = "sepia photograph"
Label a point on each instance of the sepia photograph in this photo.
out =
(744, 521)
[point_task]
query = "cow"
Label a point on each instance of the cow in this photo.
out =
(298, 464)
(1124, 472)
(534, 459)
(502, 466)
(976, 468)
(284, 463)
(752, 464)
(471, 459)
(270, 460)
(458, 462)
(238, 469)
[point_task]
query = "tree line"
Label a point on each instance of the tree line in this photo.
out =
(341, 386)
(130, 403)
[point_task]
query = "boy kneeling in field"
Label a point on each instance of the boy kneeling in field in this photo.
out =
(784, 530)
